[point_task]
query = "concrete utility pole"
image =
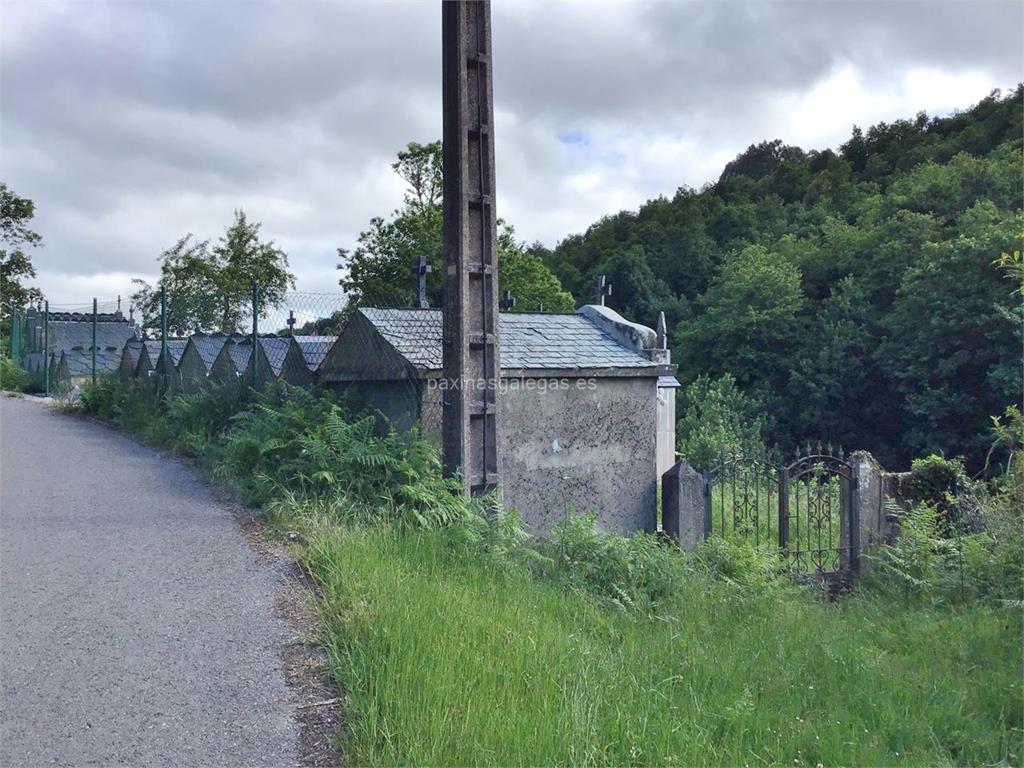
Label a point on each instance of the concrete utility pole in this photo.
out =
(471, 368)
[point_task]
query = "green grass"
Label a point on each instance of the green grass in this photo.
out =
(458, 644)
(452, 661)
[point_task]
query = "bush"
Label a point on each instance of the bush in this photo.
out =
(638, 573)
(924, 563)
(716, 420)
(741, 563)
(943, 483)
(13, 378)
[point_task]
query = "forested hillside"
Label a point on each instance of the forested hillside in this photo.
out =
(852, 294)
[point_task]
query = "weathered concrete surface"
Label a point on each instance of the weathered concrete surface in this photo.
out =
(581, 445)
(684, 505)
(136, 624)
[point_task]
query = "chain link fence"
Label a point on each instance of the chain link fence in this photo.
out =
(58, 344)
(384, 359)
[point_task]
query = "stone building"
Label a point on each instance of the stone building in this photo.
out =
(130, 358)
(314, 350)
(71, 333)
(153, 367)
(578, 399)
(231, 361)
(198, 357)
(277, 357)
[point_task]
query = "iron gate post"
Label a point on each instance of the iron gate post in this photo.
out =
(707, 506)
(783, 509)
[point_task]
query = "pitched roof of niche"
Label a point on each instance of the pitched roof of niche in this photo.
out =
(528, 340)
(314, 349)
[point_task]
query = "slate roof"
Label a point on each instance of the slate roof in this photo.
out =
(315, 348)
(74, 339)
(134, 347)
(276, 350)
(239, 353)
(528, 340)
(209, 347)
(174, 348)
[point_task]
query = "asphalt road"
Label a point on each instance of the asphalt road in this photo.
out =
(136, 623)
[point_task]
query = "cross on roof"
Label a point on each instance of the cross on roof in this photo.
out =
(291, 322)
(601, 289)
(508, 303)
(421, 270)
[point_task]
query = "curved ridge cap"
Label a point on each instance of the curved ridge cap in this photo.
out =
(632, 335)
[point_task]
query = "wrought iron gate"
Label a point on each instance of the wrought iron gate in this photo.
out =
(806, 507)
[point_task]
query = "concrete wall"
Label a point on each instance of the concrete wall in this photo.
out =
(581, 449)
(564, 446)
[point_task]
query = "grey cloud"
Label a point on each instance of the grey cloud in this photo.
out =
(130, 124)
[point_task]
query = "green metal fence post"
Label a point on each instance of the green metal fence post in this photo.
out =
(94, 342)
(46, 349)
(163, 335)
(15, 335)
(255, 330)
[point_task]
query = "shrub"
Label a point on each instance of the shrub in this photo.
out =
(925, 563)
(639, 573)
(717, 419)
(13, 378)
(740, 563)
(943, 483)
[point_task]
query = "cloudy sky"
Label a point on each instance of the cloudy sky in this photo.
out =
(132, 123)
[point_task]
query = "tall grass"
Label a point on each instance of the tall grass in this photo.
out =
(458, 642)
(452, 662)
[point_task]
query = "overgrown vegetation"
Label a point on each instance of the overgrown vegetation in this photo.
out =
(13, 378)
(461, 641)
(859, 295)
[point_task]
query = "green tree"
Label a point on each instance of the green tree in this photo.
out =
(951, 353)
(241, 259)
(749, 324)
(15, 264)
(211, 288)
(189, 274)
(717, 420)
(378, 272)
(834, 375)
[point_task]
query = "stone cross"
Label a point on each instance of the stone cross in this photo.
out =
(421, 270)
(508, 302)
(601, 289)
(291, 322)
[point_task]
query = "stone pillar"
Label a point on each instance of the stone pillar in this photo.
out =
(472, 369)
(869, 495)
(684, 505)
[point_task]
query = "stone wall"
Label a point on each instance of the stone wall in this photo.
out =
(583, 450)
